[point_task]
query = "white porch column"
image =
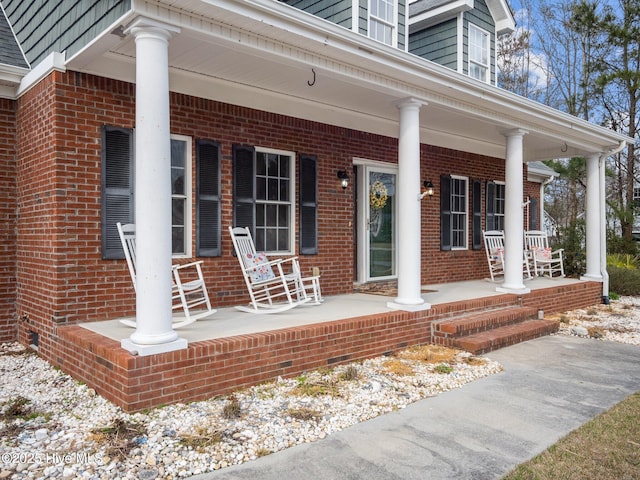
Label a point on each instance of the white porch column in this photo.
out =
(154, 332)
(602, 166)
(408, 195)
(513, 214)
(592, 211)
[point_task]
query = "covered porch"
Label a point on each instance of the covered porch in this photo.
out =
(231, 349)
(268, 56)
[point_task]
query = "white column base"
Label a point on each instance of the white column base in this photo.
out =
(518, 289)
(592, 278)
(409, 305)
(145, 350)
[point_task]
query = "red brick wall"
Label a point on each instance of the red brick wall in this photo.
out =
(61, 276)
(457, 265)
(216, 367)
(8, 329)
(564, 298)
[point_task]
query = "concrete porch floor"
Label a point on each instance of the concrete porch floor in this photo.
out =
(231, 349)
(229, 322)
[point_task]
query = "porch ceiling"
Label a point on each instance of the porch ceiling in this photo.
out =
(266, 55)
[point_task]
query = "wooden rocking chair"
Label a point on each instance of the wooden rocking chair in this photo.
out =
(189, 294)
(545, 260)
(494, 248)
(270, 288)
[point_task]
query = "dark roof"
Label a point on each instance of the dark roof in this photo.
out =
(10, 53)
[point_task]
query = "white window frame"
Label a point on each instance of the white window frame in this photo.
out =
(463, 214)
(291, 202)
(475, 61)
(497, 214)
(392, 22)
(187, 196)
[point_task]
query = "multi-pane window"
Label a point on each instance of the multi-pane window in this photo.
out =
(499, 206)
(478, 53)
(118, 191)
(459, 212)
(180, 195)
(273, 201)
(382, 20)
(264, 198)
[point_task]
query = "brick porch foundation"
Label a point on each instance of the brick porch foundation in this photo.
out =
(214, 367)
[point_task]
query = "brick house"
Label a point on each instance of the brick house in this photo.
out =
(258, 104)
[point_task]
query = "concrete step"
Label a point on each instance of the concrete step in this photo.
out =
(479, 322)
(504, 336)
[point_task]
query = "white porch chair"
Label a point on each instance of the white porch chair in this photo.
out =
(188, 291)
(494, 248)
(545, 260)
(271, 289)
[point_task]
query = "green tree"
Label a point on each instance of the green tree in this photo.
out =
(618, 83)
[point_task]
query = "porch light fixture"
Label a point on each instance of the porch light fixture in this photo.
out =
(429, 186)
(344, 178)
(429, 190)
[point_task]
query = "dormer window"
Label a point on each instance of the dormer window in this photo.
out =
(382, 20)
(478, 53)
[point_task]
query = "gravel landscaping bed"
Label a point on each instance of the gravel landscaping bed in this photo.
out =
(54, 427)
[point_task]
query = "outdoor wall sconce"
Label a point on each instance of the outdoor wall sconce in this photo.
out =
(344, 178)
(429, 189)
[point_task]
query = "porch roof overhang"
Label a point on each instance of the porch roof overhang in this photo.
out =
(266, 55)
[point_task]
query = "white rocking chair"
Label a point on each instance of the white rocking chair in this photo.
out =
(494, 248)
(187, 293)
(270, 288)
(545, 260)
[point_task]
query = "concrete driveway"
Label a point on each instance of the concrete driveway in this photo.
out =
(550, 386)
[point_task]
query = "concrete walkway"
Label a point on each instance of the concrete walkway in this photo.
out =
(550, 386)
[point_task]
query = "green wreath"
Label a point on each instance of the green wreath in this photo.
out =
(378, 195)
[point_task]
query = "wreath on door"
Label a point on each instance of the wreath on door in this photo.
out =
(378, 195)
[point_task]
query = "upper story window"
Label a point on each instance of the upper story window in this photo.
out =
(382, 20)
(478, 53)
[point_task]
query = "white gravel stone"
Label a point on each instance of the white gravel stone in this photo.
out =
(59, 440)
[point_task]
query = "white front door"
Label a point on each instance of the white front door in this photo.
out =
(377, 223)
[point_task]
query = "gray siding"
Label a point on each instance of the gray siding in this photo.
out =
(363, 21)
(481, 17)
(45, 26)
(437, 43)
(402, 24)
(336, 11)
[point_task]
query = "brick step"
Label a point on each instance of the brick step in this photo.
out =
(479, 322)
(496, 338)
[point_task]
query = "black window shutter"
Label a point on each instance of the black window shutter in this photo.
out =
(208, 224)
(244, 198)
(445, 212)
(490, 221)
(308, 205)
(533, 214)
(117, 187)
(476, 208)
